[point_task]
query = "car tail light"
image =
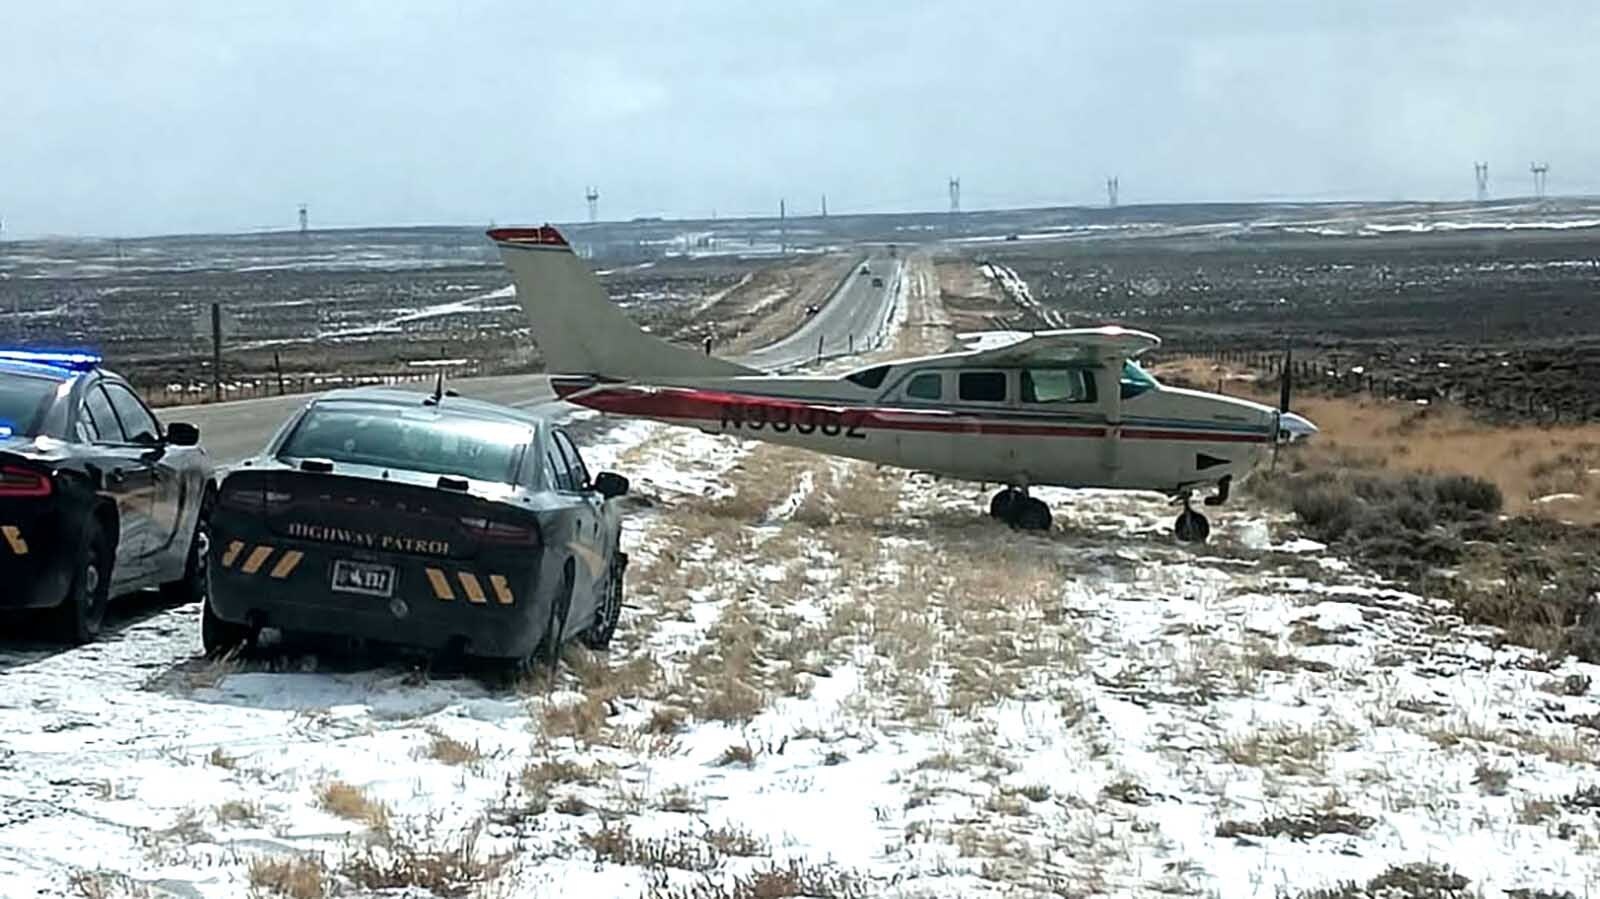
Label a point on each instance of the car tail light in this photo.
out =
(490, 531)
(23, 482)
(254, 499)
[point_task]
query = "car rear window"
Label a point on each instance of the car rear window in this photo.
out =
(23, 402)
(410, 439)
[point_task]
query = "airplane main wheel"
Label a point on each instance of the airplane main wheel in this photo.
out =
(1030, 514)
(1191, 527)
(1003, 504)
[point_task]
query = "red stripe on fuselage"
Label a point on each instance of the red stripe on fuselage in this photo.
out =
(687, 404)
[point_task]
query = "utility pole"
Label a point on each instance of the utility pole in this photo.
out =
(783, 228)
(592, 195)
(1112, 186)
(824, 205)
(303, 220)
(1480, 173)
(955, 202)
(1541, 174)
(216, 352)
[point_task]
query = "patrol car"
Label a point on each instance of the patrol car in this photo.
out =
(433, 522)
(97, 499)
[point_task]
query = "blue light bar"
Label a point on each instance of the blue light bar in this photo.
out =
(72, 361)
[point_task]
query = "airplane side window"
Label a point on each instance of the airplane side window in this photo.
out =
(1058, 385)
(926, 386)
(983, 386)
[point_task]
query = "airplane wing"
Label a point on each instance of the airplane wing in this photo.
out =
(1059, 346)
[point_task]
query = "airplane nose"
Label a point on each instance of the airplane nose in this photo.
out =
(1292, 427)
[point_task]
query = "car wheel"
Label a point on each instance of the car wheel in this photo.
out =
(219, 637)
(193, 586)
(609, 612)
(80, 614)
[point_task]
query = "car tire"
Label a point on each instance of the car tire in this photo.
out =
(218, 637)
(193, 586)
(609, 612)
(79, 616)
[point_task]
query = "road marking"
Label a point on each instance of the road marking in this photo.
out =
(256, 559)
(287, 564)
(14, 537)
(441, 587)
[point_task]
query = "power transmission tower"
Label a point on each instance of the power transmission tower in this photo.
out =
(1112, 185)
(592, 195)
(304, 226)
(1541, 173)
(824, 205)
(955, 195)
(1480, 174)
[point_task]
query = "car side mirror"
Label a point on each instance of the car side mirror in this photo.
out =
(610, 484)
(181, 433)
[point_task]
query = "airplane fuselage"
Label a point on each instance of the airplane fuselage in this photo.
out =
(1026, 425)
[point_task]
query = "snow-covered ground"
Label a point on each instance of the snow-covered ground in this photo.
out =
(849, 679)
(832, 680)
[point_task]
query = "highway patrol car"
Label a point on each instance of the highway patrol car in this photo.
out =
(434, 522)
(96, 497)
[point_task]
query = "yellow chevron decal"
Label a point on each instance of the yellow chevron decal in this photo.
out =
(256, 559)
(441, 586)
(286, 565)
(232, 553)
(469, 583)
(14, 537)
(502, 590)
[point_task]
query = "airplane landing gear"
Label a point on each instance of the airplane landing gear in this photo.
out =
(1191, 526)
(1016, 508)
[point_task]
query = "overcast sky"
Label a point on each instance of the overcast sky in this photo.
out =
(124, 118)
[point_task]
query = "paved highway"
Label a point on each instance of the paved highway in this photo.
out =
(853, 318)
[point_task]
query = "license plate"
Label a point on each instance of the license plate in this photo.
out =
(363, 577)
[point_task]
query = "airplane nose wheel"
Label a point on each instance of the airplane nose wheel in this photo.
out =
(1191, 526)
(1020, 510)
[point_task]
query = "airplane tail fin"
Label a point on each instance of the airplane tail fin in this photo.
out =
(578, 329)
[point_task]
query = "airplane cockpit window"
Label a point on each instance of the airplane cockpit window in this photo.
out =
(926, 386)
(983, 386)
(1058, 385)
(870, 378)
(1135, 380)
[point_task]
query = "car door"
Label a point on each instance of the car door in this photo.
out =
(126, 477)
(591, 548)
(165, 467)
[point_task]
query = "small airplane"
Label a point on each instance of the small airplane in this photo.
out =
(1059, 408)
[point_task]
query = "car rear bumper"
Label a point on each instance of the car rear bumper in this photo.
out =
(433, 604)
(35, 562)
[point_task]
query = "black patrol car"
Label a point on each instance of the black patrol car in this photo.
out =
(96, 498)
(434, 522)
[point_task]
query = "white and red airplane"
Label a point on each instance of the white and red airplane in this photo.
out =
(1062, 408)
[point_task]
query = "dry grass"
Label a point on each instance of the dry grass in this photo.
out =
(771, 881)
(108, 885)
(666, 719)
(295, 878)
(584, 721)
(1525, 461)
(1492, 781)
(444, 748)
(551, 772)
(685, 851)
(1562, 748)
(738, 754)
(237, 812)
(221, 759)
(1290, 751)
(449, 870)
(353, 804)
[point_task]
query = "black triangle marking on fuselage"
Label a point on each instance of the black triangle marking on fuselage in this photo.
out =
(1203, 461)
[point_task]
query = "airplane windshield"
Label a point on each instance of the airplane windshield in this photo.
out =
(1135, 380)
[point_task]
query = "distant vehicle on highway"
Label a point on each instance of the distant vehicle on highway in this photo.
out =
(866, 269)
(877, 282)
(435, 522)
(96, 498)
